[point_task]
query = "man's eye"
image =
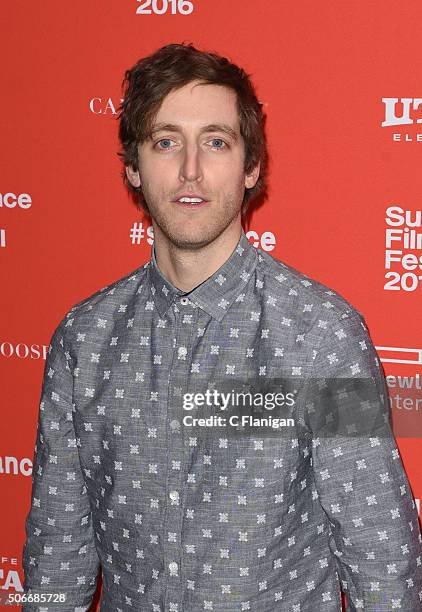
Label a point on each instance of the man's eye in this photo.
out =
(218, 140)
(166, 142)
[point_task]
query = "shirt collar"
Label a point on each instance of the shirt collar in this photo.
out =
(217, 293)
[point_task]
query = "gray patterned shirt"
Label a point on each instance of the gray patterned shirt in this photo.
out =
(223, 517)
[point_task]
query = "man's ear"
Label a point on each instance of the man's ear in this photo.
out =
(133, 176)
(252, 177)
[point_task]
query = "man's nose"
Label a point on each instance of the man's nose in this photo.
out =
(190, 168)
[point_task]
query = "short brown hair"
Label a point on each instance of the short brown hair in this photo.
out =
(152, 78)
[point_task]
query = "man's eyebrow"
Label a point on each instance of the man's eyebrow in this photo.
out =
(211, 127)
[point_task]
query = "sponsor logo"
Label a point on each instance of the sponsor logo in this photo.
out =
(395, 354)
(104, 106)
(403, 112)
(15, 466)
(403, 249)
(266, 241)
(409, 108)
(404, 390)
(9, 577)
(11, 200)
(23, 351)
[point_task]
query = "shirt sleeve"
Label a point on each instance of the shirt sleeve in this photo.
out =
(59, 554)
(360, 481)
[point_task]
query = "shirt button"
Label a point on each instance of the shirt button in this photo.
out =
(184, 301)
(175, 425)
(173, 567)
(174, 495)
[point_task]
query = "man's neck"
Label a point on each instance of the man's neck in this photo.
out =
(186, 269)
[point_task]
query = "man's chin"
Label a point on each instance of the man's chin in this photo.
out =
(194, 233)
(192, 243)
(193, 238)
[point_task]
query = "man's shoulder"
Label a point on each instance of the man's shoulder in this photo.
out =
(304, 291)
(104, 301)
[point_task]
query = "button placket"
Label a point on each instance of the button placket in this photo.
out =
(174, 568)
(176, 477)
(174, 496)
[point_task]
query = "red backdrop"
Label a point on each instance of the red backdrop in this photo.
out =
(340, 84)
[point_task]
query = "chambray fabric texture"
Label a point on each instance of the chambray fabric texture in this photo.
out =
(180, 522)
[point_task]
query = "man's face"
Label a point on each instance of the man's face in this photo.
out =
(202, 154)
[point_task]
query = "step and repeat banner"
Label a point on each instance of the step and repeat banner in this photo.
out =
(341, 86)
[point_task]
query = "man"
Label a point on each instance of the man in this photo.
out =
(182, 511)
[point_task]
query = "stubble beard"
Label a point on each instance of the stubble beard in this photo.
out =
(198, 239)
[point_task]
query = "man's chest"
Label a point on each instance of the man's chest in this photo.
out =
(186, 392)
(146, 357)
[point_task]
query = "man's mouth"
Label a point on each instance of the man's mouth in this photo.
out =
(192, 202)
